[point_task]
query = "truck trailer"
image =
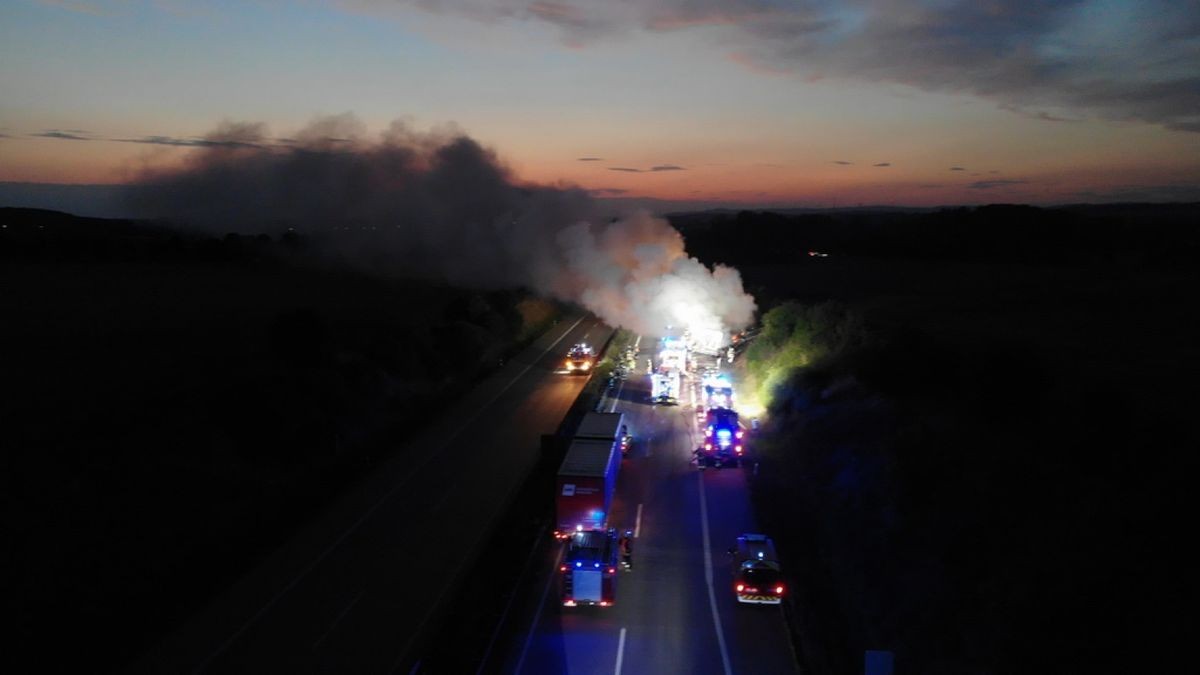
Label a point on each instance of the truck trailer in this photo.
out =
(606, 426)
(584, 486)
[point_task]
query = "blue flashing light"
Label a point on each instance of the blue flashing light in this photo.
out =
(723, 433)
(595, 564)
(579, 564)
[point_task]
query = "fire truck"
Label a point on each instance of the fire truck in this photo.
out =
(724, 439)
(589, 569)
(580, 359)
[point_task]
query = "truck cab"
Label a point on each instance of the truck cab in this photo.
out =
(757, 577)
(589, 569)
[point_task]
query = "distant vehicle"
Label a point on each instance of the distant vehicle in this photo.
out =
(664, 387)
(757, 577)
(718, 391)
(589, 569)
(584, 486)
(580, 359)
(724, 438)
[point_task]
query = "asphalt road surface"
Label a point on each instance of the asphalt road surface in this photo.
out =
(356, 590)
(675, 612)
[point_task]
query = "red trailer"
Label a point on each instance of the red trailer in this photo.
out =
(584, 486)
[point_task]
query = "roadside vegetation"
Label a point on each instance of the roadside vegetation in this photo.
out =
(976, 457)
(178, 406)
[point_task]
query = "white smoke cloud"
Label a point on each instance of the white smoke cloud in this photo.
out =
(438, 205)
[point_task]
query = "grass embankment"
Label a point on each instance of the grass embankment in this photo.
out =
(178, 407)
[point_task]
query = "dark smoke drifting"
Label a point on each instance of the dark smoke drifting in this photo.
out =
(438, 205)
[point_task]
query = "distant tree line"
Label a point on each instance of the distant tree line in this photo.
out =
(1001, 233)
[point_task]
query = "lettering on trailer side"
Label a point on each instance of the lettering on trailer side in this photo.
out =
(568, 490)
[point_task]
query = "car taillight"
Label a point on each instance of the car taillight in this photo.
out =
(779, 590)
(738, 448)
(562, 568)
(568, 603)
(741, 587)
(740, 434)
(612, 570)
(605, 603)
(708, 446)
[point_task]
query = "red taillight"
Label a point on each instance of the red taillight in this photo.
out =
(568, 603)
(562, 568)
(604, 603)
(708, 446)
(708, 431)
(612, 570)
(741, 587)
(740, 434)
(779, 590)
(738, 448)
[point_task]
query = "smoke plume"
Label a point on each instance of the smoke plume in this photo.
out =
(437, 205)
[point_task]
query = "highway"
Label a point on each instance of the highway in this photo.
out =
(675, 612)
(357, 590)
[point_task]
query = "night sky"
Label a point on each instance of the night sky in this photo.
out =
(740, 102)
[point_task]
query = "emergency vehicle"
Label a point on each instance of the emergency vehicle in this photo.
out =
(724, 438)
(718, 391)
(589, 569)
(757, 578)
(580, 358)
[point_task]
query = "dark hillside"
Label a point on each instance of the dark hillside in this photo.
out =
(176, 405)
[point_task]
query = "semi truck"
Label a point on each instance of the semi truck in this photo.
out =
(584, 486)
(589, 569)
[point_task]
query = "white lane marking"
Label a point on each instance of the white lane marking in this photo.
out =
(708, 576)
(637, 524)
(375, 507)
(341, 615)
(620, 653)
(537, 616)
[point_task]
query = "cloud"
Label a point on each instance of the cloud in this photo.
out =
(607, 191)
(842, 162)
(191, 142)
(65, 134)
(957, 168)
(1121, 61)
(990, 184)
(882, 164)
(401, 192)
(653, 169)
(590, 159)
